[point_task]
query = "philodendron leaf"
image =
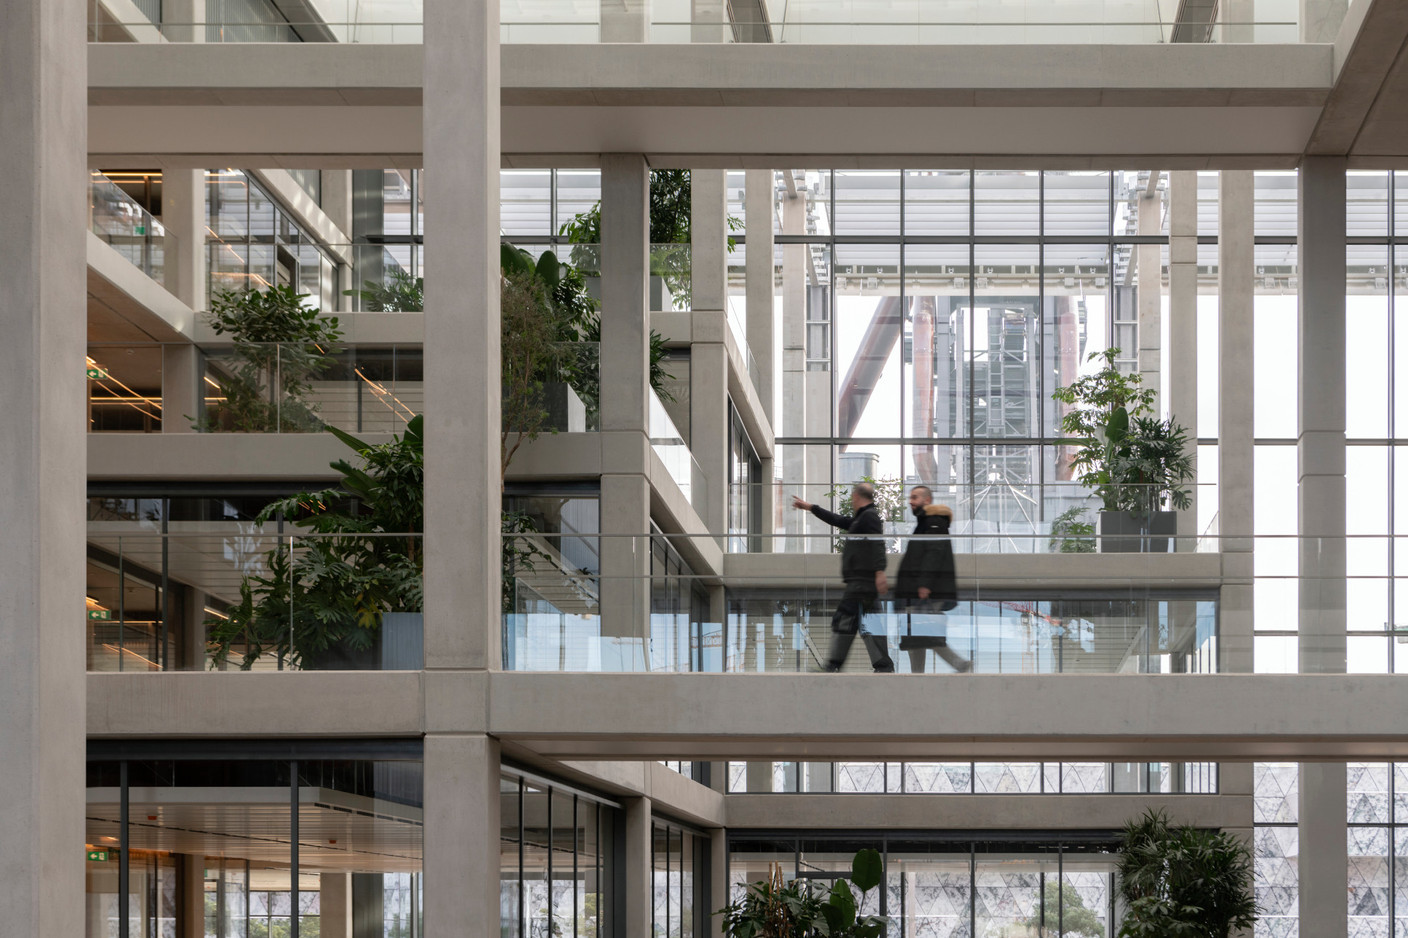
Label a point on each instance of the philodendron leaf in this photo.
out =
(867, 869)
(844, 902)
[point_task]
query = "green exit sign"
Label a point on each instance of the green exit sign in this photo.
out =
(97, 373)
(100, 613)
(97, 856)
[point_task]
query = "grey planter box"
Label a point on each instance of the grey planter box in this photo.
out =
(398, 646)
(1124, 532)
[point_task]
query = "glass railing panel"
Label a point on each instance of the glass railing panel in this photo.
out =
(562, 614)
(379, 21)
(670, 446)
(242, 596)
(831, 22)
(387, 278)
(572, 391)
(988, 518)
(296, 388)
(126, 226)
(670, 267)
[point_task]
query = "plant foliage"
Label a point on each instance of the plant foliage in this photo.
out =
(1134, 461)
(1062, 906)
(670, 230)
(328, 591)
(401, 293)
(1182, 881)
(800, 908)
(280, 346)
(1071, 533)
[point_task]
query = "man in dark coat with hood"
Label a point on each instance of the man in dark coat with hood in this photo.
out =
(863, 569)
(927, 584)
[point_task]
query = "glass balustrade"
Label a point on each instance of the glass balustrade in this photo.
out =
(987, 518)
(673, 452)
(832, 22)
(168, 594)
(126, 227)
(244, 596)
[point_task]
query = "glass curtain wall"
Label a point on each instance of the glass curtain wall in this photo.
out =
(556, 850)
(1031, 885)
(679, 892)
(946, 306)
(253, 244)
(248, 846)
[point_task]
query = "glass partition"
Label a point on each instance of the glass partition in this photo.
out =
(221, 595)
(254, 846)
(832, 22)
(126, 227)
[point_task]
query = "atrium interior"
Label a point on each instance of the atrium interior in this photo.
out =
(489, 604)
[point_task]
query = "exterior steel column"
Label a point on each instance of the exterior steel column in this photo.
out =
(638, 915)
(625, 404)
(462, 386)
(1235, 264)
(758, 264)
(43, 459)
(462, 828)
(708, 364)
(1320, 324)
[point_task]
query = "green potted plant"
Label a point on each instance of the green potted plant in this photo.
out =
(349, 596)
(280, 345)
(774, 908)
(1183, 881)
(1138, 464)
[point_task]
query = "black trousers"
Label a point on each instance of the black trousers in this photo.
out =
(856, 601)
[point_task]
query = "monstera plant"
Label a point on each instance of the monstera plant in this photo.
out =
(778, 908)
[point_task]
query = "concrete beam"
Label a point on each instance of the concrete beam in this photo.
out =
(594, 717)
(1368, 49)
(228, 457)
(813, 717)
(198, 704)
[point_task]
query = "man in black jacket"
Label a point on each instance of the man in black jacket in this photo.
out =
(863, 569)
(927, 585)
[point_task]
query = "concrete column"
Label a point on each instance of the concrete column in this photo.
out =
(191, 903)
(335, 905)
(639, 874)
(625, 408)
(1239, 15)
(183, 20)
(625, 271)
(337, 199)
(718, 879)
(461, 851)
(180, 388)
(709, 421)
(708, 369)
(757, 777)
(625, 21)
(1182, 401)
(462, 545)
(1236, 267)
(625, 571)
(1320, 19)
(759, 188)
(708, 21)
(792, 422)
(183, 217)
(1320, 324)
(1149, 262)
(42, 460)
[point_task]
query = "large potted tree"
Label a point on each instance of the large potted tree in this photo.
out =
(280, 345)
(1136, 463)
(1178, 881)
(347, 596)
